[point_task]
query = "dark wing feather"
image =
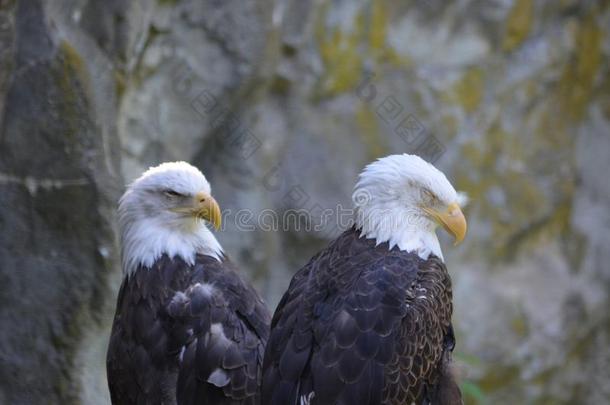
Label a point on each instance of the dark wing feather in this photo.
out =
(359, 324)
(186, 334)
(223, 355)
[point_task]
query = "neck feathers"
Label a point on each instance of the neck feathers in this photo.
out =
(412, 239)
(145, 241)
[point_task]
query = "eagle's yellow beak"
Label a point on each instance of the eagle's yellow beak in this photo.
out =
(452, 220)
(207, 208)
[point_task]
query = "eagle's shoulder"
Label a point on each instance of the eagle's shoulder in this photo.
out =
(221, 327)
(239, 294)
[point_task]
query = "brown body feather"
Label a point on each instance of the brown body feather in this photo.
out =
(187, 335)
(362, 324)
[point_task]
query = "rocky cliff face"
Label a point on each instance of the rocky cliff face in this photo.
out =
(281, 104)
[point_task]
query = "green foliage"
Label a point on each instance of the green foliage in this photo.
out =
(472, 393)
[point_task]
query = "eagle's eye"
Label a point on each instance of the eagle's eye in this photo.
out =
(429, 196)
(172, 194)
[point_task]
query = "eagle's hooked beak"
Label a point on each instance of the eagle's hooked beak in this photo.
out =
(452, 220)
(207, 208)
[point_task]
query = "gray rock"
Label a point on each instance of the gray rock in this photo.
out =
(57, 248)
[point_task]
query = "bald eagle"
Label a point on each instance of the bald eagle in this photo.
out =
(368, 320)
(188, 329)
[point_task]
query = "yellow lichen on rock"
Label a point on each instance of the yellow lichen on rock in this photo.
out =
(578, 78)
(520, 211)
(369, 130)
(467, 91)
(72, 80)
(343, 52)
(518, 24)
(340, 56)
(378, 25)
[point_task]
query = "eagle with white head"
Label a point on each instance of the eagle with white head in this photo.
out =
(188, 329)
(368, 320)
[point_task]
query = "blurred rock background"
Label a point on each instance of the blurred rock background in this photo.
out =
(281, 104)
